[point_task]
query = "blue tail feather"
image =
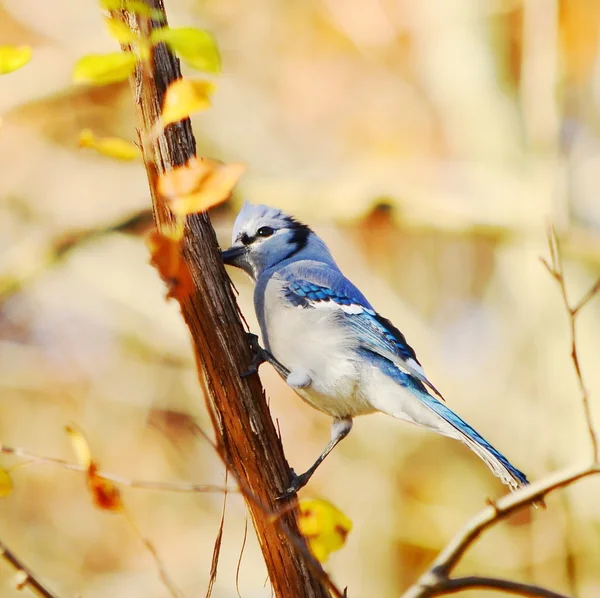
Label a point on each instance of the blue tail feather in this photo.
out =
(462, 431)
(519, 478)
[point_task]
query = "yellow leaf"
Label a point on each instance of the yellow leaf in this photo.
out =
(13, 58)
(101, 69)
(113, 147)
(183, 97)
(195, 46)
(80, 445)
(198, 185)
(6, 484)
(324, 526)
(120, 31)
(134, 6)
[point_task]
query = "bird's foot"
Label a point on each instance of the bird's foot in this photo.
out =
(259, 355)
(297, 482)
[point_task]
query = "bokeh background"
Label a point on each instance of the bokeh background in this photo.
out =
(430, 143)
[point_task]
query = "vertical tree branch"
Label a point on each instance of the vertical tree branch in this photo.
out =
(243, 426)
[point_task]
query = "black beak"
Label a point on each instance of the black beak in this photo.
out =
(232, 255)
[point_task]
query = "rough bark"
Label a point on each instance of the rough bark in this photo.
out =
(243, 426)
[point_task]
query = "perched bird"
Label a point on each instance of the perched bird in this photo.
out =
(330, 345)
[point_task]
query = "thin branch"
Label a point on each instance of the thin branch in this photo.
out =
(117, 479)
(162, 571)
(239, 564)
(460, 584)
(217, 547)
(587, 297)
(557, 272)
(26, 577)
(437, 575)
(60, 247)
(273, 516)
(504, 507)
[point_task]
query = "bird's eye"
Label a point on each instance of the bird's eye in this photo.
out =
(265, 231)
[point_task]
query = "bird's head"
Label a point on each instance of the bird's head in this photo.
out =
(264, 237)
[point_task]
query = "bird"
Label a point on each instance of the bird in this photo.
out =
(330, 345)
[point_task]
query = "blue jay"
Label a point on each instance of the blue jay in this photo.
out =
(329, 344)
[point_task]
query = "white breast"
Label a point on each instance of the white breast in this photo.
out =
(313, 340)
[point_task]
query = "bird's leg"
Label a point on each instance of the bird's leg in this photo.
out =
(261, 355)
(340, 428)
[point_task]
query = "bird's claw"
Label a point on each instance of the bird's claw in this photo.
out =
(259, 355)
(297, 482)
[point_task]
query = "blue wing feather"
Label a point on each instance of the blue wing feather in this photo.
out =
(311, 286)
(316, 287)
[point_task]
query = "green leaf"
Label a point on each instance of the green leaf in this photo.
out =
(195, 46)
(13, 58)
(101, 69)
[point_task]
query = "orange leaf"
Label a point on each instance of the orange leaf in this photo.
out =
(198, 185)
(105, 494)
(216, 188)
(166, 257)
(183, 97)
(184, 179)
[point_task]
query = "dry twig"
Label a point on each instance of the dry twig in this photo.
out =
(436, 581)
(217, 547)
(460, 584)
(25, 577)
(24, 271)
(162, 571)
(239, 564)
(555, 267)
(117, 479)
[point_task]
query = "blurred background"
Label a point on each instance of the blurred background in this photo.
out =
(430, 143)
